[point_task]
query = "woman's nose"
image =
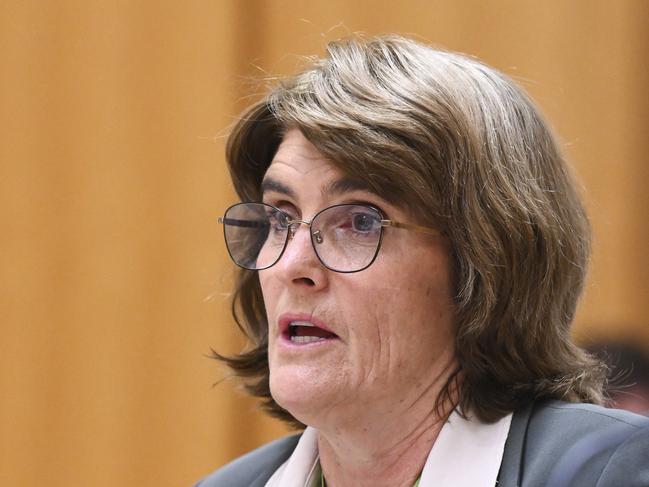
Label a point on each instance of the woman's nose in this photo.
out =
(299, 248)
(299, 264)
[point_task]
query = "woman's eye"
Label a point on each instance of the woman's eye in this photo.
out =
(362, 222)
(278, 221)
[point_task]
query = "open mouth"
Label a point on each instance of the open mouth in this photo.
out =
(305, 332)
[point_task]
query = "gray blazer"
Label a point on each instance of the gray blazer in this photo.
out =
(553, 444)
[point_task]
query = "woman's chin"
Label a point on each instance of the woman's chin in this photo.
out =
(300, 393)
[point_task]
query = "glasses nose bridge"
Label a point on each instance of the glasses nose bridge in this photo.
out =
(293, 225)
(316, 237)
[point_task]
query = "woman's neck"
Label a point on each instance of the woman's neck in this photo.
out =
(381, 450)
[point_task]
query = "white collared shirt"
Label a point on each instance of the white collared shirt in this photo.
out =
(467, 453)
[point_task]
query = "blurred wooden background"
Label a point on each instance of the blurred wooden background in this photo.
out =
(114, 276)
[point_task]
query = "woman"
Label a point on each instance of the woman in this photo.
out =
(413, 250)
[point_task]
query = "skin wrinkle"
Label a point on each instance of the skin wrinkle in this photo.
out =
(370, 372)
(396, 448)
(430, 386)
(381, 340)
(434, 384)
(401, 446)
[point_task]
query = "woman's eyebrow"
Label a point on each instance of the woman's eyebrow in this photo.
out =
(337, 187)
(270, 184)
(346, 185)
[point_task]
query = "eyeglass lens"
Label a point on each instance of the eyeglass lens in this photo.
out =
(345, 237)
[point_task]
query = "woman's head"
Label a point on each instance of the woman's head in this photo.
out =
(340, 341)
(450, 144)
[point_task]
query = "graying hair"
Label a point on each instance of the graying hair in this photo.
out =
(463, 148)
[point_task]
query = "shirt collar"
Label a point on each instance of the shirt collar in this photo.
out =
(467, 453)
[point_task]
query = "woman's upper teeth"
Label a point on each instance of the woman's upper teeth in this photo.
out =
(300, 323)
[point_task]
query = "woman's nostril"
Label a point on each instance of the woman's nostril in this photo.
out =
(304, 280)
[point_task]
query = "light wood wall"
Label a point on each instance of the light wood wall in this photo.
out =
(114, 278)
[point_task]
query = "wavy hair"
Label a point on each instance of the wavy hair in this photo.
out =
(463, 148)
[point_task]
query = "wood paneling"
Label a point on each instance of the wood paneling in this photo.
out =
(114, 276)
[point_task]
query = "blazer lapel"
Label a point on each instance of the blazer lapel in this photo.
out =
(511, 469)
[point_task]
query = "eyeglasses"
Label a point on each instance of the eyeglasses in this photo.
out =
(346, 238)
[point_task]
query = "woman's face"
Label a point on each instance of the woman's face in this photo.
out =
(389, 327)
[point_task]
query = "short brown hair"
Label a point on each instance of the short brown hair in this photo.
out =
(463, 148)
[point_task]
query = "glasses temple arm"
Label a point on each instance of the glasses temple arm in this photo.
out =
(235, 222)
(410, 226)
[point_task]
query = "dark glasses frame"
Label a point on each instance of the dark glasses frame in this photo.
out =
(292, 225)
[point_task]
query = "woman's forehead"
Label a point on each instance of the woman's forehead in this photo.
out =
(298, 161)
(300, 168)
(296, 150)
